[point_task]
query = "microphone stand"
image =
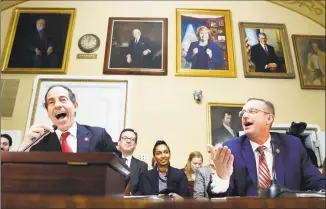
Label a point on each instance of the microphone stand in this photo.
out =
(36, 140)
(275, 189)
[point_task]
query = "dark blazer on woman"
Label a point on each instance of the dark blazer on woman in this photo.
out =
(177, 182)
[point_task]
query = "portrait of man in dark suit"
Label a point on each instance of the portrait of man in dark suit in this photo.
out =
(264, 57)
(225, 123)
(40, 41)
(225, 132)
(139, 51)
(136, 46)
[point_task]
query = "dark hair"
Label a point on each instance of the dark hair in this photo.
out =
(160, 142)
(226, 113)
(262, 34)
(129, 129)
(7, 137)
(71, 94)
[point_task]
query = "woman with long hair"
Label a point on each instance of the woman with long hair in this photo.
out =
(163, 178)
(195, 161)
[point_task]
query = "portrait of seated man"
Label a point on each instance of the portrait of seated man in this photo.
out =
(39, 41)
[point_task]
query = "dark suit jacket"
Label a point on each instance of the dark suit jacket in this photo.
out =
(136, 52)
(177, 182)
(216, 62)
(221, 135)
(35, 41)
(137, 167)
(294, 169)
(98, 141)
(261, 59)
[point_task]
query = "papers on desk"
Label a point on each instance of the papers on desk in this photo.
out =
(311, 195)
(151, 197)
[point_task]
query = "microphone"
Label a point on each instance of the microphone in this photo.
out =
(35, 140)
(275, 189)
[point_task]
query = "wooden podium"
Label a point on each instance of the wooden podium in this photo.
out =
(56, 173)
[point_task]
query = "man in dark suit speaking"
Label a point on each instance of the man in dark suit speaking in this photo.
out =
(61, 105)
(139, 52)
(264, 56)
(127, 144)
(244, 166)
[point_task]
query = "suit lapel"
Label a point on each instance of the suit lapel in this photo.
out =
(133, 166)
(249, 157)
(279, 168)
(84, 138)
(154, 179)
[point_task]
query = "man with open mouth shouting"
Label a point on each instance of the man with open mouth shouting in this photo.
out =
(70, 136)
(245, 167)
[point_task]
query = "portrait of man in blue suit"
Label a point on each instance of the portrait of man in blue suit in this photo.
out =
(244, 165)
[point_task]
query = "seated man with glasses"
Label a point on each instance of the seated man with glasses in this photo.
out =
(244, 165)
(127, 144)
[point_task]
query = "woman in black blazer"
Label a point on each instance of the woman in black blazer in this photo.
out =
(163, 178)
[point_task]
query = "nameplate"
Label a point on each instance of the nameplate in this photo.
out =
(86, 56)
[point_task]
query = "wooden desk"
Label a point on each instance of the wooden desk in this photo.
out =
(9, 201)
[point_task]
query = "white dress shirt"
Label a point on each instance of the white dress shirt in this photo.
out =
(128, 161)
(229, 129)
(72, 138)
(219, 185)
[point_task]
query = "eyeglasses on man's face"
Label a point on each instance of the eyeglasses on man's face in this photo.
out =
(251, 111)
(126, 138)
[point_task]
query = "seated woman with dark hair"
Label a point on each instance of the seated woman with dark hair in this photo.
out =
(163, 178)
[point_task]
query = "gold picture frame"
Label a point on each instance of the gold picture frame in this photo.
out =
(36, 43)
(273, 62)
(310, 76)
(217, 113)
(205, 43)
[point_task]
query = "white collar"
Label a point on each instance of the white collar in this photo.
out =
(128, 158)
(72, 130)
(263, 45)
(267, 144)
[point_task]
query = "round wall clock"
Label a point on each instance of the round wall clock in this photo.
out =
(89, 43)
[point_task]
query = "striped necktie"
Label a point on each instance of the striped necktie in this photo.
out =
(264, 178)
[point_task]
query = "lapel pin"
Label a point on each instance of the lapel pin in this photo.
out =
(277, 151)
(86, 139)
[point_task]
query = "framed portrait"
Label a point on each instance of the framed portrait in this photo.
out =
(136, 46)
(204, 43)
(310, 55)
(224, 122)
(36, 43)
(265, 50)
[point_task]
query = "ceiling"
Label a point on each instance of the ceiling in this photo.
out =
(312, 9)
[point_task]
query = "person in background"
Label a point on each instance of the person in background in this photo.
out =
(316, 65)
(163, 178)
(225, 132)
(127, 144)
(70, 136)
(6, 142)
(264, 57)
(40, 44)
(244, 165)
(205, 54)
(204, 176)
(139, 51)
(195, 161)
